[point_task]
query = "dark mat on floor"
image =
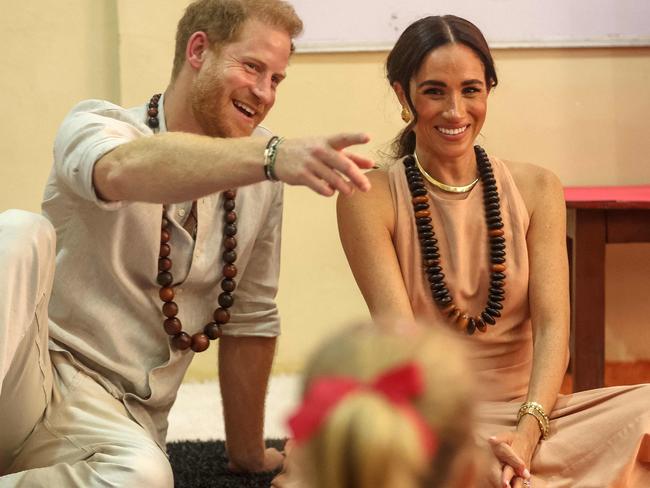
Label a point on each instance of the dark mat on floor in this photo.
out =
(203, 465)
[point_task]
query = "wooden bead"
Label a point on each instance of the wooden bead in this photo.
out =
(229, 256)
(428, 241)
(166, 294)
(420, 206)
(494, 220)
(228, 285)
(221, 316)
(439, 295)
(495, 232)
(226, 300)
(419, 192)
(200, 342)
(436, 278)
(164, 236)
(165, 278)
(228, 205)
(498, 268)
(480, 325)
(231, 217)
(164, 264)
(213, 331)
(498, 276)
(230, 243)
(495, 298)
(471, 326)
(420, 199)
(462, 321)
(181, 341)
(152, 112)
(153, 122)
(432, 262)
(230, 270)
(170, 309)
(164, 250)
(487, 318)
(172, 326)
(415, 186)
(495, 305)
(230, 194)
(230, 230)
(422, 213)
(492, 312)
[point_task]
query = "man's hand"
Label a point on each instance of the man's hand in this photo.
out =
(273, 460)
(513, 455)
(321, 164)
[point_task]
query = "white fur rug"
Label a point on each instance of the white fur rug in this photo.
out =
(198, 415)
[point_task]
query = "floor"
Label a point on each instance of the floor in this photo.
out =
(197, 414)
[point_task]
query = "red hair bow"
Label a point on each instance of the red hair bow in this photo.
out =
(398, 386)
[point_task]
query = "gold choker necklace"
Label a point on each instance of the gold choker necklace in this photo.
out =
(440, 184)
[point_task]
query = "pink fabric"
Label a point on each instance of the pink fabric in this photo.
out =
(502, 358)
(398, 386)
(599, 438)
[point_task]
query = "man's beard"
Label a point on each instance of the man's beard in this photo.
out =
(205, 97)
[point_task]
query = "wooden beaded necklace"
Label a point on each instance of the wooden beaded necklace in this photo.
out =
(431, 254)
(199, 341)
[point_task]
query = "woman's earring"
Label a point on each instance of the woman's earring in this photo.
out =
(406, 115)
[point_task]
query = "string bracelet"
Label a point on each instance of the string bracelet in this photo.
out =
(270, 154)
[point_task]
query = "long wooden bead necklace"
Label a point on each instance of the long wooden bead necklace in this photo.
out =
(199, 341)
(431, 254)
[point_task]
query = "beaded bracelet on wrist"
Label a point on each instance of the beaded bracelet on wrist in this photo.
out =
(172, 325)
(431, 253)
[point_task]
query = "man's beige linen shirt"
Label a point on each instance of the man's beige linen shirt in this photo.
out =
(105, 310)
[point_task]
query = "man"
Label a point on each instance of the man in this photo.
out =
(99, 399)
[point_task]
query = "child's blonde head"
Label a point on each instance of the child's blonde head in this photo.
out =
(366, 441)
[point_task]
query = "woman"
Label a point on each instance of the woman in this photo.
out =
(386, 405)
(462, 240)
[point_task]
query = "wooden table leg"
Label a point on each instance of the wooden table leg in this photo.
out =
(588, 291)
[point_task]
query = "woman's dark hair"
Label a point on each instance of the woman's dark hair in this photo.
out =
(418, 40)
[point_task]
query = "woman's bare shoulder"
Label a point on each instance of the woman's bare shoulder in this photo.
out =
(534, 182)
(376, 203)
